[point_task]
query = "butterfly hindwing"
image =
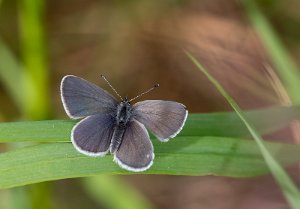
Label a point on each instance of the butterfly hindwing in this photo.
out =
(164, 119)
(136, 150)
(92, 135)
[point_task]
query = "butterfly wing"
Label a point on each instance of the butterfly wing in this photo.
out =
(136, 151)
(92, 135)
(82, 98)
(164, 119)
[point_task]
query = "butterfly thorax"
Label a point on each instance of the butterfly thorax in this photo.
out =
(123, 116)
(124, 110)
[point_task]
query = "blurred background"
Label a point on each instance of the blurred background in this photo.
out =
(136, 44)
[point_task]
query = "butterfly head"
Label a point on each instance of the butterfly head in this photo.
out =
(126, 100)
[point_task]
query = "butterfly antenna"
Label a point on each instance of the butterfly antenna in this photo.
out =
(112, 87)
(154, 87)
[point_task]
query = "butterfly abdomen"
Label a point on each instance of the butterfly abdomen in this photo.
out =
(123, 116)
(117, 138)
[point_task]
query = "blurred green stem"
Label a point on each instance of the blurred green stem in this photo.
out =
(113, 193)
(19, 198)
(41, 195)
(36, 81)
(284, 65)
(11, 75)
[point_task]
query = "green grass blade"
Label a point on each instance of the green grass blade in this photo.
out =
(212, 124)
(284, 65)
(287, 186)
(183, 156)
(102, 188)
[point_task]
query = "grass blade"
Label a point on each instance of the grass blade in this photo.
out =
(212, 124)
(184, 156)
(287, 186)
(284, 65)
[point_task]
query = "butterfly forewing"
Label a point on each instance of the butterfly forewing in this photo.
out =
(164, 119)
(92, 135)
(136, 151)
(82, 98)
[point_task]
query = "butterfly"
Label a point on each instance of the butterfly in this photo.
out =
(108, 125)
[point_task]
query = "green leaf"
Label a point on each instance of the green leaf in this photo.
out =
(211, 124)
(287, 186)
(181, 156)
